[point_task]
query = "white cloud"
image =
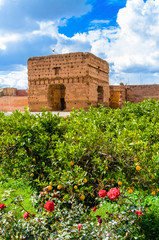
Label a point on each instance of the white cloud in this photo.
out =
(16, 78)
(47, 28)
(20, 14)
(100, 21)
(1, 2)
(131, 48)
(137, 47)
(8, 38)
(95, 24)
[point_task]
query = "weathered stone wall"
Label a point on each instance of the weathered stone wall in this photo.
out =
(77, 77)
(114, 96)
(11, 103)
(13, 92)
(21, 92)
(65, 67)
(132, 93)
(137, 93)
(9, 91)
(38, 98)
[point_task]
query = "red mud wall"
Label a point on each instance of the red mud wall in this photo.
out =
(21, 93)
(132, 93)
(137, 93)
(11, 103)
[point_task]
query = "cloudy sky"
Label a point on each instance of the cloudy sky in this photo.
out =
(123, 32)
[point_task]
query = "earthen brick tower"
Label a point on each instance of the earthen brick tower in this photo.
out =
(66, 81)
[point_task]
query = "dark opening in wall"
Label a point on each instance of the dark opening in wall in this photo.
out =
(100, 94)
(57, 70)
(63, 104)
(56, 97)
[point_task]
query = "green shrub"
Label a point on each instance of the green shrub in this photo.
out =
(103, 146)
(99, 149)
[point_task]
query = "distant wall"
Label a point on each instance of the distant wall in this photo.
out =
(21, 93)
(13, 92)
(9, 91)
(132, 93)
(137, 93)
(11, 103)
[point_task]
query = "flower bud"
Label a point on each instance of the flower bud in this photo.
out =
(99, 220)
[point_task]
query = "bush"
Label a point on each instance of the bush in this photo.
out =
(85, 152)
(78, 156)
(121, 218)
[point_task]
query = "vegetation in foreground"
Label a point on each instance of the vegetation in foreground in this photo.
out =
(77, 157)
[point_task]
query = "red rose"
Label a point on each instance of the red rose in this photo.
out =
(26, 215)
(2, 206)
(102, 193)
(94, 209)
(139, 213)
(79, 226)
(49, 206)
(113, 193)
(54, 196)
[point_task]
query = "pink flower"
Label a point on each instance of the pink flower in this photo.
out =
(49, 206)
(2, 206)
(139, 213)
(113, 193)
(79, 226)
(94, 209)
(26, 215)
(102, 193)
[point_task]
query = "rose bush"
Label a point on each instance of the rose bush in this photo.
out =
(139, 213)
(26, 215)
(113, 193)
(49, 206)
(102, 193)
(2, 206)
(116, 220)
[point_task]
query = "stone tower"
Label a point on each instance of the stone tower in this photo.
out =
(66, 81)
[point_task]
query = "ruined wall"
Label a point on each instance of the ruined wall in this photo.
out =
(132, 93)
(117, 96)
(12, 103)
(137, 93)
(13, 92)
(66, 66)
(38, 97)
(77, 96)
(9, 91)
(114, 96)
(21, 92)
(80, 73)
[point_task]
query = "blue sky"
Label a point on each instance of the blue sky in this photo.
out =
(123, 32)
